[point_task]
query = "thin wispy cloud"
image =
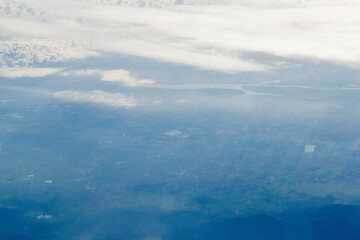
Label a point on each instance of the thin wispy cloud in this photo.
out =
(97, 97)
(236, 87)
(15, 72)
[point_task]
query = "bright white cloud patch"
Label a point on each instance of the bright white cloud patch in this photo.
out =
(173, 133)
(195, 32)
(124, 77)
(97, 96)
(309, 148)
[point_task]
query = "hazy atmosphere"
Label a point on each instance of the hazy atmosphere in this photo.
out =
(179, 119)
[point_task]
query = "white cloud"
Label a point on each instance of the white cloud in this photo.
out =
(262, 3)
(11, 116)
(116, 75)
(97, 96)
(29, 51)
(309, 148)
(123, 76)
(173, 133)
(139, 3)
(81, 72)
(14, 8)
(214, 37)
(44, 216)
(15, 72)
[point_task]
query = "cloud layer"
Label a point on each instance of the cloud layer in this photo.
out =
(225, 36)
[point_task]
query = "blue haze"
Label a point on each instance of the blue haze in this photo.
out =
(184, 163)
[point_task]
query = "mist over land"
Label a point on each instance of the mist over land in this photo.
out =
(179, 119)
